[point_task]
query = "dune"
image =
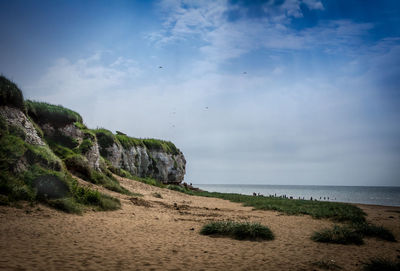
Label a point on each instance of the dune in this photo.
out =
(160, 231)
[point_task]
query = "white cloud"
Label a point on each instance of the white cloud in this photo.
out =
(219, 39)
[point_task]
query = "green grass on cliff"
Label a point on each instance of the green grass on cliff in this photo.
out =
(78, 165)
(149, 143)
(57, 115)
(10, 94)
(34, 173)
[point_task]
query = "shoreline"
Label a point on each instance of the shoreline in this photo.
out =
(307, 197)
(151, 233)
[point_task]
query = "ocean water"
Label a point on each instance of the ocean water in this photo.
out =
(377, 195)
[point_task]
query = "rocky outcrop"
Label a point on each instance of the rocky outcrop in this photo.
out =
(16, 118)
(143, 160)
(63, 131)
(72, 136)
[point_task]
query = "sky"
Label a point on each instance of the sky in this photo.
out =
(252, 92)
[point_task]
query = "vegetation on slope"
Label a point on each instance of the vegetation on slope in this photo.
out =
(106, 139)
(57, 115)
(10, 94)
(34, 173)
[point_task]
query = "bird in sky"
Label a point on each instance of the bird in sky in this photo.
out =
(160, 67)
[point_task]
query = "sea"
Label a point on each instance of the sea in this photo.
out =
(377, 195)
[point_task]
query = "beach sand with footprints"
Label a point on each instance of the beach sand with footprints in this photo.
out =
(160, 231)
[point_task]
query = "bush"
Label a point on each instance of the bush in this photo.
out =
(10, 94)
(339, 235)
(240, 231)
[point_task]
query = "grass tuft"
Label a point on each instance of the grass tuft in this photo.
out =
(370, 230)
(68, 205)
(327, 265)
(339, 235)
(353, 234)
(238, 230)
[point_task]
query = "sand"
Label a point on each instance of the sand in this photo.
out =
(151, 233)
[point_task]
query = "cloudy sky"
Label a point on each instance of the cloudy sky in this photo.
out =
(257, 92)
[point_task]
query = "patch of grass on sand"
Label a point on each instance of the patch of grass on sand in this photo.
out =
(327, 265)
(238, 230)
(339, 235)
(352, 234)
(380, 264)
(340, 212)
(370, 230)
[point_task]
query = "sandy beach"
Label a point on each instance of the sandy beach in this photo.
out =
(153, 233)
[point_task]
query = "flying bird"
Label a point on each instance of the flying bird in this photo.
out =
(160, 67)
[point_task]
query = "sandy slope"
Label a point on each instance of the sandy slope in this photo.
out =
(150, 233)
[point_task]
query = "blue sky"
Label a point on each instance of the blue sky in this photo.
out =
(258, 92)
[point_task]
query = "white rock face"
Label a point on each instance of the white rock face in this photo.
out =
(142, 162)
(16, 117)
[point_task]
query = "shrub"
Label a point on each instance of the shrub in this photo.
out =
(240, 231)
(10, 94)
(339, 235)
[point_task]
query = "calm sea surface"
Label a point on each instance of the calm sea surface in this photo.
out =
(389, 196)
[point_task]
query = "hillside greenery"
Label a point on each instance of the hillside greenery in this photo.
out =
(43, 177)
(57, 115)
(10, 94)
(35, 173)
